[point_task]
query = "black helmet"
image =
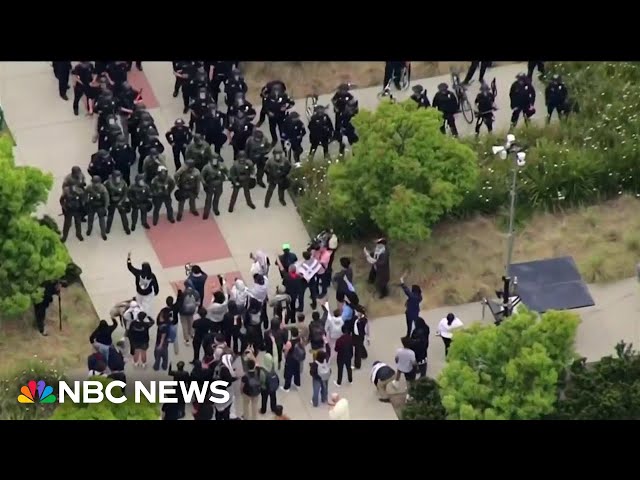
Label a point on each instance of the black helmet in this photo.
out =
(146, 116)
(126, 86)
(240, 115)
(116, 173)
(76, 170)
(179, 122)
(102, 154)
(121, 139)
(96, 179)
(235, 72)
(212, 106)
(556, 78)
(352, 103)
(198, 138)
(521, 76)
(319, 109)
(294, 115)
(343, 87)
(140, 178)
(201, 76)
(139, 107)
(443, 86)
(417, 88)
(241, 155)
(153, 151)
(484, 87)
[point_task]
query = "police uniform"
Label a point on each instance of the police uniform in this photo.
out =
(179, 137)
(555, 96)
(419, 96)
(221, 71)
(233, 86)
(293, 131)
(184, 71)
(278, 169)
(101, 165)
(200, 152)
(84, 73)
(151, 165)
(265, 93)
(277, 104)
(213, 125)
(96, 203)
(140, 198)
(118, 190)
(523, 97)
(198, 107)
(187, 181)
(257, 148)
(62, 70)
(161, 188)
(240, 176)
(447, 103)
(345, 128)
(320, 132)
(339, 101)
(71, 202)
(241, 130)
(151, 142)
(123, 157)
(213, 176)
(484, 104)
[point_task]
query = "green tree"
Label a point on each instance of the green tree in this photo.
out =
(128, 410)
(30, 253)
(605, 390)
(404, 174)
(511, 371)
(426, 403)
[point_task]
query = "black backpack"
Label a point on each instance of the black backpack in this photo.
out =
(252, 385)
(272, 381)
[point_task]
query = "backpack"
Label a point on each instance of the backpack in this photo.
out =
(324, 371)
(272, 381)
(217, 371)
(251, 385)
(298, 352)
(189, 305)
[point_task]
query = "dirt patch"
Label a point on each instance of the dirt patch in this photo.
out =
(463, 261)
(303, 78)
(20, 342)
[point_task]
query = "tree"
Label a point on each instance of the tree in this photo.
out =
(426, 403)
(30, 253)
(128, 410)
(605, 390)
(404, 174)
(511, 371)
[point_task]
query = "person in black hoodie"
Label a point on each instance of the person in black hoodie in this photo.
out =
(344, 354)
(274, 340)
(180, 375)
(116, 362)
(222, 372)
(316, 334)
(344, 283)
(101, 337)
(412, 305)
(231, 327)
(197, 280)
(360, 337)
(139, 338)
(146, 285)
(202, 327)
(294, 287)
(294, 356)
(420, 344)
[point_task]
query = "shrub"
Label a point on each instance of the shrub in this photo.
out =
(404, 176)
(426, 403)
(509, 372)
(10, 386)
(128, 410)
(49, 222)
(30, 253)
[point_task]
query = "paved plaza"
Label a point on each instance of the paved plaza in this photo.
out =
(50, 137)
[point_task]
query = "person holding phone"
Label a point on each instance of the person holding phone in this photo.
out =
(146, 285)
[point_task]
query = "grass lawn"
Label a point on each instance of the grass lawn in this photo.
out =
(463, 261)
(20, 342)
(303, 78)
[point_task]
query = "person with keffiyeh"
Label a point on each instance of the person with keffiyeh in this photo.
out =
(260, 263)
(380, 271)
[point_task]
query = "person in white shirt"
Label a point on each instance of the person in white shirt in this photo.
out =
(333, 325)
(260, 263)
(445, 330)
(339, 409)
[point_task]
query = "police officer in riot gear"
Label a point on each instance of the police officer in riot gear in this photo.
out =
(265, 93)
(123, 157)
(472, 69)
(523, 98)
(71, 202)
(62, 70)
(107, 108)
(555, 96)
(140, 197)
(257, 148)
(447, 103)
(75, 177)
(278, 169)
(345, 128)
(117, 73)
(339, 101)
(139, 112)
(241, 104)
(240, 175)
(127, 99)
(198, 107)
(485, 107)
(106, 127)
(148, 136)
(221, 71)
(152, 164)
(113, 131)
(213, 126)
(277, 104)
(199, 151)
(241, 130)
(96, 203)
(233, 85)
(419, 96)
(213, 176)
(183, 70)
(293, 131)
(118, 200)
(161, 188)
(179, 137)
(101, 165)
(320, 131)
(83, 74)
(531, 66)
(150, 143)
(187, 181)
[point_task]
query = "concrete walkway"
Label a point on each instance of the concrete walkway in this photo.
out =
(50, 137)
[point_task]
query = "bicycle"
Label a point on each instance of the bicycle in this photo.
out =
(464, 105)
(405, 76)
(386, 92)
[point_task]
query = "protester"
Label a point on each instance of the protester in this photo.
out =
(161, 350)
(344, 354)
(117, 311)
(251, 389)
(320, 372)
(101, 337)
(281, 304)
(181, 376)
(405, 363)
(445, 330)
(294, 354)
(420, 344)
(360, 338)
(279, 413)
(269, 383)
(348, 315)
(197, 280)
(171, 311)
(340, 408)
(309, 268)
(219, 305)
(317, 335)
(232, 326)
(239, 294)
(286, 259)
(146, 285)
(381, 375)
(274, 341)
(116, 362)
(202, 326)
(294, 287)
(380, 272)
(260, 263)
(96, 364)
(139, 338)
(344, 283)
(222, 371)
(412, 305)
(333, 326)
(190, 301)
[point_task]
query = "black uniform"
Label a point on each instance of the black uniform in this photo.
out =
(345, 128)
(101, 67)
(393, 69)
(222, 71)
(213, 176)
(96, 203)
(140, 198)
(257, 147)
(293, 131)
(199, 107)
(240, 176)
(241, 130)
(484, 104)
(62, 70)
(71, 202)
(148, 143)
(277, 105)
(179, 137)
(278, 169)
(421, 99)
(233, 86)
(472, 69)
(84, 73)
(188, 187)
(555, 96)
(139, 114)
(213, 125)
(264, 94)
(339, 101)
(320, 132)
(117, 72)
(523, 98)
(240, 105)
(127, 98)
(531, 66)
(101, 165)
(186, 70)
(447, 103)
(118, 190)
(123, 157)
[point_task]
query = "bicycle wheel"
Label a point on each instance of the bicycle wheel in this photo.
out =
(467, 111)
(308, 107)
(405, 79)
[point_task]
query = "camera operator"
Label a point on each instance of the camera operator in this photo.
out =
(50, 289)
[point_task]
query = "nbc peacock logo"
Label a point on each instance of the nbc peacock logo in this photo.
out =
(36, 392)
